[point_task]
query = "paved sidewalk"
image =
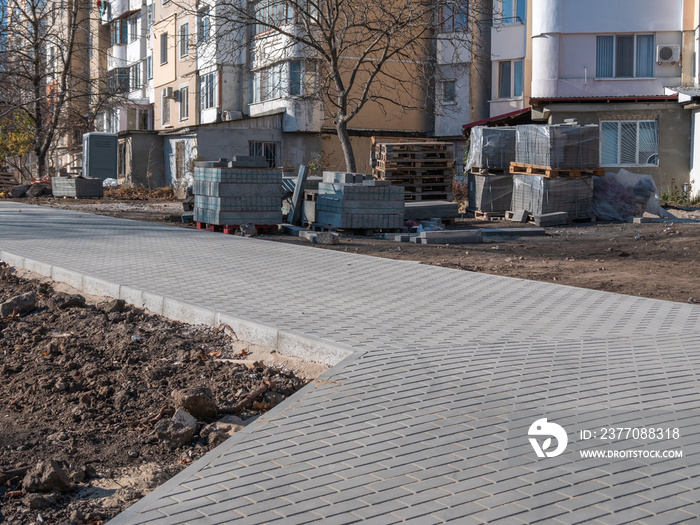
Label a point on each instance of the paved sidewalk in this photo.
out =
(439, 375)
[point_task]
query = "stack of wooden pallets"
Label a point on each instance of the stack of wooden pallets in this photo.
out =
(7, 181)
(424, 169)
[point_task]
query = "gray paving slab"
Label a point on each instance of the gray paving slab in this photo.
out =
(429, 403)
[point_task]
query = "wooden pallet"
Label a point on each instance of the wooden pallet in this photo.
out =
(429, 196)
(518, 168)
(7, 181)
(442, 164)
(488, 215)
(424, 147)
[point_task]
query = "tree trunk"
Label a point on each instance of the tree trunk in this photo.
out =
(342, 128)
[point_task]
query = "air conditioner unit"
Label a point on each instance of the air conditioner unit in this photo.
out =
(668, 54)
(168, 92)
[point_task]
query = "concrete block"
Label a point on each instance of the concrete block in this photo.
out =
(290, 229)
(327, 238)
(376, 183)
(451, 237)
(520, 216)
(419, 210)
(512, 232)
(342, 177)
(642, 220)
(551, 219)
(309, 236)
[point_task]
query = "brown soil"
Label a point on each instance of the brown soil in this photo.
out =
(85, 384)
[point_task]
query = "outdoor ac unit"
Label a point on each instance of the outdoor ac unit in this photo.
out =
(168, 92)
(668, 54)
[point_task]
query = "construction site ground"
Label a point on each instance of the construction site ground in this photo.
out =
(656, 260)
(86, 380)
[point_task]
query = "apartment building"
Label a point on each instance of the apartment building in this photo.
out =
(603, 62)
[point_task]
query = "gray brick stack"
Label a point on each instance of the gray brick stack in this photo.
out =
(490, 193)
(560, 146)
(540, 195)
(232, 193)
(362, 204)
(79, 187)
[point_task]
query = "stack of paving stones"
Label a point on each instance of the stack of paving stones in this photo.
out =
(490, 185)
(77, 187)
(558, 146)
(555, 147)
(355, 201)
(542, 195)
(424, 169)
(241, 191)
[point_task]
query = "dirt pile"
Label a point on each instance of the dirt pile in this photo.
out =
(102, 402)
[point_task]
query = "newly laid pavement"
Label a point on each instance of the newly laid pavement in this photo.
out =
(439, 378)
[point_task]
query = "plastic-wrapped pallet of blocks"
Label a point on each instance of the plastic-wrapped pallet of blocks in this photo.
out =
(542, 195)
(490, 193)
(492, 148)
(230, 194)
(369, 205)
(78, 187)
(559, 146)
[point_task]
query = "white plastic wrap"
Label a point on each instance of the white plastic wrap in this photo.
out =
(492, 148)
(623, 195)
(559, 146)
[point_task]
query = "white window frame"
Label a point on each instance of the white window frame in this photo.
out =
(204, 25)
(635, 51)
(184, 33)
(184, 98)
(208, 87)
(133, 28)
(619, 144)
(164, 48)
(164, 109)
(511, 88)
(511, 17)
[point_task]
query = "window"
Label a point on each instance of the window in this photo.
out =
(150, 15)
(271, 13)
(513, 12)
(144, 119)
(184, 40)
(625, 56)
(165, 108)
(269, 150)
(204, 25)
(52, 63)
(184, 103)
(449, 91)
(164, 48)
(119, 32)
(295, 78)
(629, 143)
(510, 79)
(118, 80)
(454, 16)
(149, 67)
(207, 91)
(133, 28)
(135, 76)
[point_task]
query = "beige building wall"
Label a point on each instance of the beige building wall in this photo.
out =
(174, 67)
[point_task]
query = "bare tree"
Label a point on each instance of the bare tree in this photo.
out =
(357, 53)
(46, 77)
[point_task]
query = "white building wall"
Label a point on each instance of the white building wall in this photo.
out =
(564, 45)
(695, 153)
